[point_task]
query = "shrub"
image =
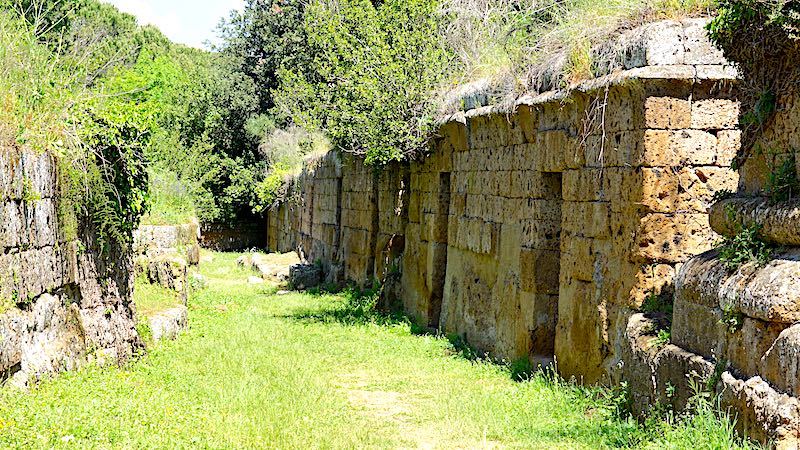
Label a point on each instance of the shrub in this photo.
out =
(745, 247)
(371, 85)
(171, 199)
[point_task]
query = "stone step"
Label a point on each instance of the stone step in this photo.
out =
(670, 375)
(779, 224)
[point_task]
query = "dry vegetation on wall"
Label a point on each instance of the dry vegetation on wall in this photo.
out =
(515, 47)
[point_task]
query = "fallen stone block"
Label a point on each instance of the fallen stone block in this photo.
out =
(169, 323)
(169, 272)
(304, 276)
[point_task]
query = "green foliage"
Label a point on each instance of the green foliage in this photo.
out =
(371, 82)
(266, 36)
(782, 184)
(761, 38)
(745, 247)
(663, 337)
(732, 319)
(143, 330)
(272, 188)
(323, 369)
(152, 298)
(171, 201)
(721, 195)
(658, 304)
(29, 193)
(108, 179)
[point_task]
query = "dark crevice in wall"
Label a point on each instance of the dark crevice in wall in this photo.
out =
(373, 230)
(337, 243)
(439, 268)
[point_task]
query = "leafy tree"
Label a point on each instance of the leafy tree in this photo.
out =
(266, 36)
(371, 82)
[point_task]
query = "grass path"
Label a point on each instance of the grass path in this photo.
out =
(260, 370)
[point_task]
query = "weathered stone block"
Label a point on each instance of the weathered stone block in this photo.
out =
(539, 271)
(770, 293)
(698, 48)
(304, 276)
(715, 114)
(668, 113)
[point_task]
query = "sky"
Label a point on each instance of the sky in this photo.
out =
(189, 22)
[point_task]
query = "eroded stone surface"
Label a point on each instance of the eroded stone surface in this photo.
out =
(169, 323)
(770, 293)
(777, 223)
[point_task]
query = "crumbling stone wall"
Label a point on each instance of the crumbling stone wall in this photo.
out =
(539, 232)
(64, 301)
(740, 323)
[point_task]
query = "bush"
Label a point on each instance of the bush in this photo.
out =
(371, 84)
(762, 38)
(171, 199)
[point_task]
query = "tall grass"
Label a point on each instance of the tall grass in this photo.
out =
(36, 91)
(171, 199)
(523, 45)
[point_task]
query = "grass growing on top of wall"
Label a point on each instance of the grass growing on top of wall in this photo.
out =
(258, 370)
(525, 44)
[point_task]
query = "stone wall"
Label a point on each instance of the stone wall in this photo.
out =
(229, 237)
(540, 232)
(741, 320)
(64, 301)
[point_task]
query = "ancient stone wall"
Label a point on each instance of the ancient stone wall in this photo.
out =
(237, 236)
(560, 230)
(739, 321)
(64, 301)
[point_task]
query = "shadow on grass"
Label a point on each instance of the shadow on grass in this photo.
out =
(358, 307)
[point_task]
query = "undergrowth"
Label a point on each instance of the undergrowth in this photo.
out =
(745, 247)
(782, 183)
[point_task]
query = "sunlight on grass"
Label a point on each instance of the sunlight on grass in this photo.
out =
(151, 298)
(259, 370)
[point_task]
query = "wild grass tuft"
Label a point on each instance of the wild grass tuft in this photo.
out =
(537, 45)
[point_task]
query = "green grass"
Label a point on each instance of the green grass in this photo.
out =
(258, 370)
(151, 298)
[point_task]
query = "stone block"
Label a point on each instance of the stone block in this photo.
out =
(699, 329)
(668, 113)
(581, 343)
(781, 362)
(748, 346)
(305, 276)
(672, 238)
(698, 48)
(679, 148)
(770, 293)
(715, 114)
(539, 271)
